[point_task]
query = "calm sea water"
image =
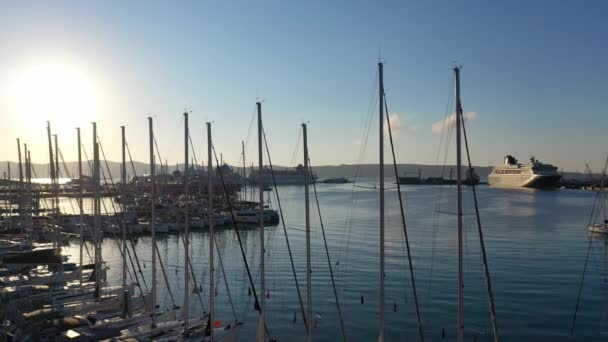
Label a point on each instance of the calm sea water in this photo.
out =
(536, 243)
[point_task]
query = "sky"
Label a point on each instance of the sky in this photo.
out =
(532, 79)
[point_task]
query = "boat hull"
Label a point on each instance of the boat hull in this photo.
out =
(598, 228)
(524, 181)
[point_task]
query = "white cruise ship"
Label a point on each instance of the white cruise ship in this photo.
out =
(529, 175)
(293, 176)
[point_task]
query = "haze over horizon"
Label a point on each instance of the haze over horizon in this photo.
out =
(532, 77)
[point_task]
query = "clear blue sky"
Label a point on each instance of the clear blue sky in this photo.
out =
(533, 71)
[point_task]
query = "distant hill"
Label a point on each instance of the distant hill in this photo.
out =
(325, 171)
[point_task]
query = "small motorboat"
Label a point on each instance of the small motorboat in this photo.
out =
(599, 228)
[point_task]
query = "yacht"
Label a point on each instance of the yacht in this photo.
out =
(533, 174)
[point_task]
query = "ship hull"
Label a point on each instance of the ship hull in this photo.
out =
(524, 181)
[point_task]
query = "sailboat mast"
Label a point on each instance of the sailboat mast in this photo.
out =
(186, 228)
(261, 193)
(57, 210)
(381, 173)
(29, 190)
(81, 213)
(152, 220)
(211, 232)
(28, 197)
(244, 194)
(52, 169)
(123, 208)
(96, 213)
(10, 196)
(20, 179)
(308, 262)
(459, 186)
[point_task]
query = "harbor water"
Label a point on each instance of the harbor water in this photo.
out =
(536, 243)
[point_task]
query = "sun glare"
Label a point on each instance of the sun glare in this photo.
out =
(60, 93)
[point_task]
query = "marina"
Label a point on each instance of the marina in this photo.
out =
(198, 214)
(303, 171)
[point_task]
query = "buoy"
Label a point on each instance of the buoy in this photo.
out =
(362, 300)
(442, 332)
(217, 324)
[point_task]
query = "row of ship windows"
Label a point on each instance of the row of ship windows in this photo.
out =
(508, 172)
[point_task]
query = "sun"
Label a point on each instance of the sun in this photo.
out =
(60, 93)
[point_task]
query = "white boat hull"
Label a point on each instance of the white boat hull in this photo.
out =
(599, 228)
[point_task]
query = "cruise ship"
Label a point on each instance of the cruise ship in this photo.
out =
(528, 175)
(293, 176)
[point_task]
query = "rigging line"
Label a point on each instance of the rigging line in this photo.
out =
(90, 164)
(68, 174)
(481, 239)
(331, 271)
(219, 257)
(439, 192)
(294, 155)
(162, 168)
(191, 270)
(407, 241)
(360, 156)
(192, 146)
(130, 240)
(293, 267)
(114, 208)
(580, 289)
(162, 267)
(160, 260)
(131, 159)
(238, 236)
(249, 129)
(89, 229)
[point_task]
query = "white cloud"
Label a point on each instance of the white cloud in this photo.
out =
(395, 122)
(443, 125)
(399, 123)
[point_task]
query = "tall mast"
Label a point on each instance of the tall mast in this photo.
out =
(23, 201)
(29, 190)
(96, 213)
(244, 194)
(152, 220)
(211, 233)
(81, 219)
(261, 194)
(20, 179)
(123, 209)
(459, 186)
(28, 198)
(52, 169)
(186, 227)
(308, 263)
(10, 197)
(56, 189)
(381, 172)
